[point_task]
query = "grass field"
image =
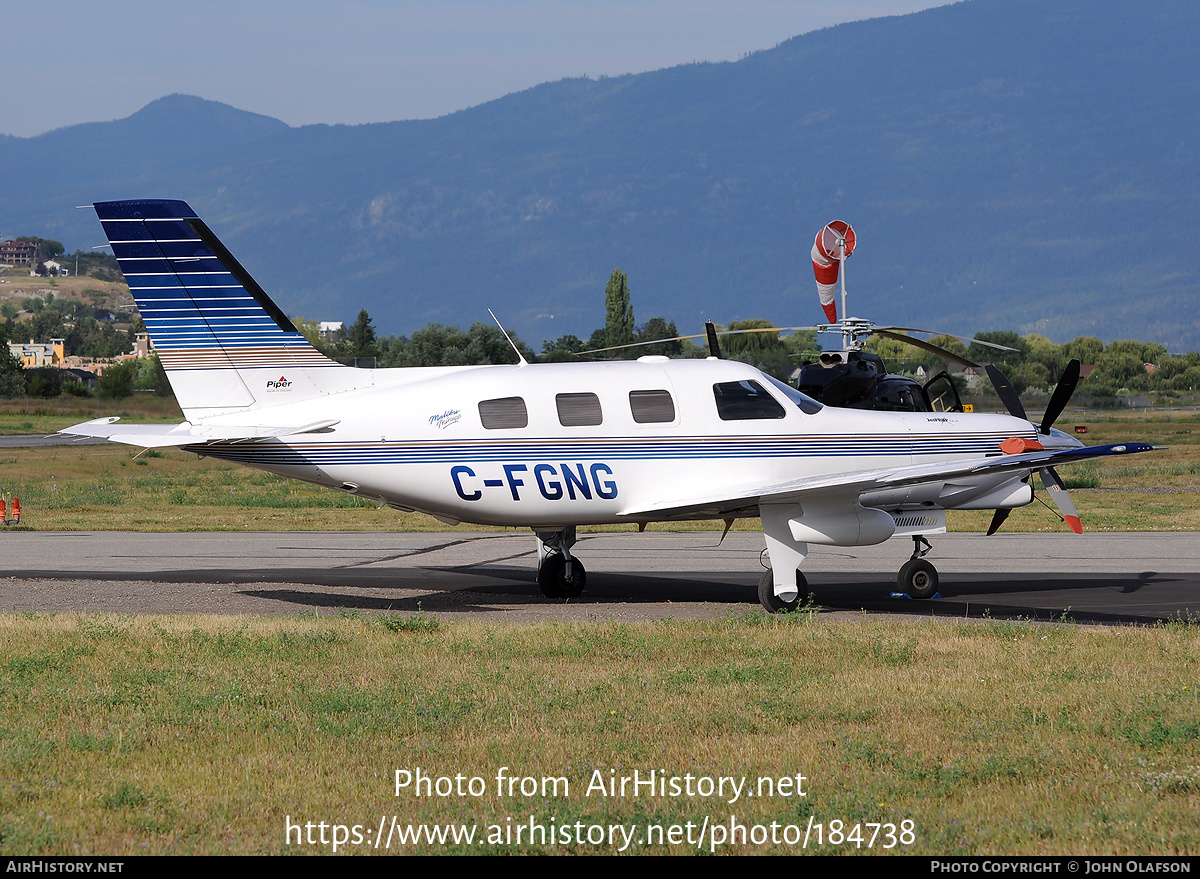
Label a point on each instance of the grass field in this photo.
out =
(112, 488)
(204, 735)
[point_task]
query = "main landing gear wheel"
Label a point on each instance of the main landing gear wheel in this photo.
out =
(771, 602)
(553, 579)
(918, 578)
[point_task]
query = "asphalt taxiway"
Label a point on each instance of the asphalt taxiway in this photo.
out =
(1139, 578)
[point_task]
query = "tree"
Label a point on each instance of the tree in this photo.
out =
(655, 329)
(562, 349)
(47, 325)
(12, 377)
(1086, 349)
(151, 376)
(44, 381)
(117, 381)
(618, 321)
(765, 351)
(48, 248)
(439, 345)
(361, 336)
(1049, 355)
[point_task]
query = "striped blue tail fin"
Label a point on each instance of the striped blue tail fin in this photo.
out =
(224, 344)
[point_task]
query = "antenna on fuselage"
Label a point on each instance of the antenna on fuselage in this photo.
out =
(520, 356)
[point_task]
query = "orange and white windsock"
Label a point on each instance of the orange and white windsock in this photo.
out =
(826, 257)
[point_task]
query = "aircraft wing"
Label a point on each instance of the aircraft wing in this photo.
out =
(152, 436)
(848, 486)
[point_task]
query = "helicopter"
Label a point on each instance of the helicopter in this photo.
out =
(851, 376)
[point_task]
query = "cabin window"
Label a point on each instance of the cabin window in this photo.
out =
(504, 413)
(745, 401)
(578, 410)
(652, 407)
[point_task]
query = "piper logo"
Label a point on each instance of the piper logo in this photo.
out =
(281, 384)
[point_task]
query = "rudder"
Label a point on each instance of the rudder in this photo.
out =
(223, 343)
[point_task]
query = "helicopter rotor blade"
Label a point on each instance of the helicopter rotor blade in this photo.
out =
(926, 346)
(703, 335)
(952, 336)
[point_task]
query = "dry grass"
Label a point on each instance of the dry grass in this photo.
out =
(32, 416)
(199, 735)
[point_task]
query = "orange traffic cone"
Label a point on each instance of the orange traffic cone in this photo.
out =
(16, 510)
(3, 512)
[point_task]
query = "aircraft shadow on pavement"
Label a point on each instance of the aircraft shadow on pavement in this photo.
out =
(1143, 598)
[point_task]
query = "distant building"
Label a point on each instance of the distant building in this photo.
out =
(85, 377)
(18, 253)
(331, 330)
(36, 354)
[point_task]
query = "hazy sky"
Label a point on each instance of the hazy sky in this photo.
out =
(302, 61)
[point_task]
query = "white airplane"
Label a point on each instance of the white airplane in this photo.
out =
(555, 446)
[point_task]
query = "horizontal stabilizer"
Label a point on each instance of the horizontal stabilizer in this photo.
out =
(152, 436)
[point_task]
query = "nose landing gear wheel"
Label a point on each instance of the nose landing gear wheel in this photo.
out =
(918, 578)
(771, 602)
(553, 580)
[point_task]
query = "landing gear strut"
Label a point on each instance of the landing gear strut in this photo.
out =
(560, 575)
(918, 577)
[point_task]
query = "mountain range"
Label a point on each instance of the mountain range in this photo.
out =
(1006, 164)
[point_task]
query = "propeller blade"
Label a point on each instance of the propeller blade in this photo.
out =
(1007, 395)
(1062, 500)
(997, 521)
(926, 346)
(714, 347)
(1060, 397)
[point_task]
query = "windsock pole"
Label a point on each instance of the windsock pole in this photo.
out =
(830, 250)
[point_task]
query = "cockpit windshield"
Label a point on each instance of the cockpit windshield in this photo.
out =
(807, 404)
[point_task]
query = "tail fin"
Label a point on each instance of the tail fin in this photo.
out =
(224, 344)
